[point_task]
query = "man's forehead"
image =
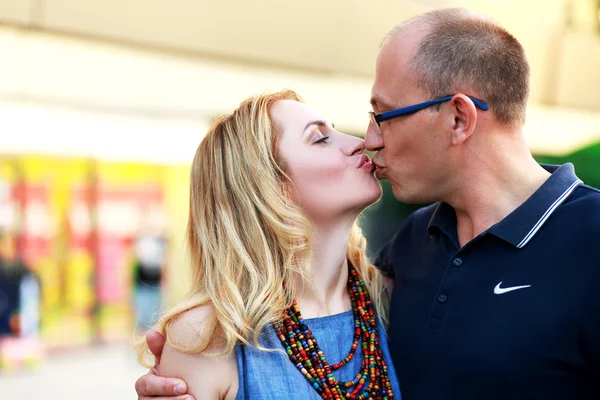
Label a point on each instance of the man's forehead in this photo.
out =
(388, 78)
(393, 71)
(379, 100)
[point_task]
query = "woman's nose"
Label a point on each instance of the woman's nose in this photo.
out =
(356, 146)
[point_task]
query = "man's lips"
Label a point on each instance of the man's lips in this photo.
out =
(379, 171)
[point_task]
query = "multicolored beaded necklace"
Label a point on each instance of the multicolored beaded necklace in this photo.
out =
(303, 350)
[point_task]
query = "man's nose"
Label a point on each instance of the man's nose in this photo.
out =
(373, 141)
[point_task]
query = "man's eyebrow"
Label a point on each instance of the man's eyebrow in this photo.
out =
(375, 101)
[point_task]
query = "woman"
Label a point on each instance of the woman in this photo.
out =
(285, 304)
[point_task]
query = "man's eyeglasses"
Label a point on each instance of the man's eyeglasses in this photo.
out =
(377, 119)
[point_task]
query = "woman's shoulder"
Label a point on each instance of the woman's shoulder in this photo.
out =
(195, 354)
(193, 327)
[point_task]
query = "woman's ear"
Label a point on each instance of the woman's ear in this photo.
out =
(288, 191)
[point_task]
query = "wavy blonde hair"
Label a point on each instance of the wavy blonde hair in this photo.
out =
(247, 240)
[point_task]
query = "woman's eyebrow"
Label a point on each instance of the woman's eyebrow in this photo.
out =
(319, 123)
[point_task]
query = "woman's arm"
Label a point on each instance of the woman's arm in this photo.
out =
(211, 378)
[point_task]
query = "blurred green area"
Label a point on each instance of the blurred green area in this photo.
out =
(380, 221)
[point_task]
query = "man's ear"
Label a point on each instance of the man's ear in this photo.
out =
(465, 118)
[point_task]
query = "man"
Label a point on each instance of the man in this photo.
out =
(495, 282)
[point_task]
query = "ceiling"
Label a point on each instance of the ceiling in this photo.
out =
(333, 37)
(339, 36)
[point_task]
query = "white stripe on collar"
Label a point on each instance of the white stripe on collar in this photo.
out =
(548, 212)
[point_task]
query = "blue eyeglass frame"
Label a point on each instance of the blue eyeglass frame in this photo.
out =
(399, 112)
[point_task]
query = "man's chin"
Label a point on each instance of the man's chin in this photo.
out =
(404, 197)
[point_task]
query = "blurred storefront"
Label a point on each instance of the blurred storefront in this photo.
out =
(74, 223)
(102, 106)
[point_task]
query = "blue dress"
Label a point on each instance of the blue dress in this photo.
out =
(271, 375)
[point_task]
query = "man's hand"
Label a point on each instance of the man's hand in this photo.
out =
(154, 387)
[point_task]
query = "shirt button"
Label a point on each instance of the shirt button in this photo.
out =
(457, 262)
(442, 298)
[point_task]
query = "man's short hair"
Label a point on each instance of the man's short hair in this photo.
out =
(464, 52)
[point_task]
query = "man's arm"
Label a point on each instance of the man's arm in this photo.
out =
(154, 387)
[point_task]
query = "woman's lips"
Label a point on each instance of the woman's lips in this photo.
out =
(364, 159)
(368, 165)
(365, 163)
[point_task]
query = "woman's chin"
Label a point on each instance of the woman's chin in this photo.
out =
(376, 189)
(371, 196)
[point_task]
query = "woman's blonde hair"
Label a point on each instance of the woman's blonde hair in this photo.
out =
(248, 242)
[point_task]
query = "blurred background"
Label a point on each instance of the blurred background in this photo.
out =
(103, 103)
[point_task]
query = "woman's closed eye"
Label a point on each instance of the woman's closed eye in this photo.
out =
(320, 140)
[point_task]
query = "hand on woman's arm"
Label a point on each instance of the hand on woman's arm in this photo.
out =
(208, 377)
(154, 387)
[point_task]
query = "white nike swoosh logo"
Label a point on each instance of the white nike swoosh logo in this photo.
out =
(499, 290)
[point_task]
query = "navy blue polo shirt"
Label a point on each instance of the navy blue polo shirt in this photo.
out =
(514, 314)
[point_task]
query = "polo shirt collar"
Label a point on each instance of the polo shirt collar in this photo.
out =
(520, 226)
(443, 220)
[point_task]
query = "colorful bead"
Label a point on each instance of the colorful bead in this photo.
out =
(303, 350)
